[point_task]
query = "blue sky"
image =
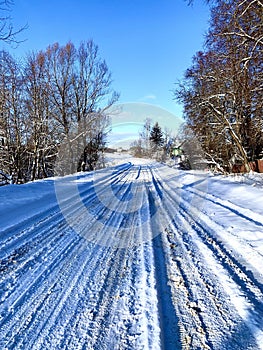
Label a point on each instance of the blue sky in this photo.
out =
(147, 44)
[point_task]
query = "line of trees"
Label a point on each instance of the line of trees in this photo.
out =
(62, 93)
(222, 91)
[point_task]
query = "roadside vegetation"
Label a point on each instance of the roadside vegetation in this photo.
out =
(222, 90)
(62, 93)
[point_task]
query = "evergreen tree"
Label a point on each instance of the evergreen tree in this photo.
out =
(156, 137)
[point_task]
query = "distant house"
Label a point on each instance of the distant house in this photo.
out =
(109, 150)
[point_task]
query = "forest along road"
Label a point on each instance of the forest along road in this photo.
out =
(136, 256)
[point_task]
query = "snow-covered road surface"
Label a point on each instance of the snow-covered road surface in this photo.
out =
(144, 257)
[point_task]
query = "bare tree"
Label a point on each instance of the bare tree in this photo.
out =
(58, 101)
(8, 33)
(80, 94)
(41, 141)
(136, 148)
(145, 137)
(5, 164)
(12, 118)
(222, 90)
(93, 96)
(59, 68)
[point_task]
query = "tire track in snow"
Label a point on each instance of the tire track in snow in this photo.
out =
(207, 232)
(243, 278)
(200, 333)
(11, 237)
(46, 301)
(53, 262)
(32, 294)
(132, 326)
(246, 214)
(197, 332)
(64, 292)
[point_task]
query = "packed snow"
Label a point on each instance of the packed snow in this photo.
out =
(139, 255)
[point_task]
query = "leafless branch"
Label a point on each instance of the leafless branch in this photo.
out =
(8, 33)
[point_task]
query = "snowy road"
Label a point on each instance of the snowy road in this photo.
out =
(144, 257)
